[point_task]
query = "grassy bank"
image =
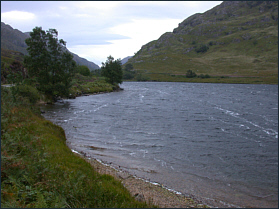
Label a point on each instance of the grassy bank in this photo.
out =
(39, 170)
(89, 85)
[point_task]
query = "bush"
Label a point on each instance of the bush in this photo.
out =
(83, 70)
(14, 73)
(26, 91)
(190, 74)
(202, 48)
(210, 43)
(203, 76)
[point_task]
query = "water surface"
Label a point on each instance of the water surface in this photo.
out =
(216, 142)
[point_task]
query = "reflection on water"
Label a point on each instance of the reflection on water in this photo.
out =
(218, 142)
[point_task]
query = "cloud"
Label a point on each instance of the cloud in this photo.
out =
(99, 5)
(147, 29)
(19, 19)
(17, 16)
(91, 38)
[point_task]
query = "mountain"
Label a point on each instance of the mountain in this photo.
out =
(13, 39)
(234, 39)
(124, 60)
(83, 61)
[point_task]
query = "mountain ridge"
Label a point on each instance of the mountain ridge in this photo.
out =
(14, 39)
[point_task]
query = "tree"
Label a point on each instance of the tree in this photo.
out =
(112, 71)
(49, 62)
(83, 70)
(129, 67)
(190, 74)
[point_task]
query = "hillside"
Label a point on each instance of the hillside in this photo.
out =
(236, 39)
(13, 39)
(124, 60)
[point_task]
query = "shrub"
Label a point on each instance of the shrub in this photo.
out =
(210, 43)
(26, 91)
(201, 76)
(190, 74)
(83, 70)
(194, 42)
(202, 48)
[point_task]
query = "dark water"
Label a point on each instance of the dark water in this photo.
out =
(216, 142)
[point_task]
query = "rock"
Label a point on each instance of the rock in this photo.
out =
(123, 175)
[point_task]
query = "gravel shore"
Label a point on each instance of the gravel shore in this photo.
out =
(146, 191)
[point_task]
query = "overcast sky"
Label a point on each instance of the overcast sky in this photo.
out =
(96, 29)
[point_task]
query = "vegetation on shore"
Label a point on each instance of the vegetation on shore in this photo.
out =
(39, 170)
(84, 85)
(50, 69)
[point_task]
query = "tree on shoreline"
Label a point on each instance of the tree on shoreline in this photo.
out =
(112, 71)
(49, 62)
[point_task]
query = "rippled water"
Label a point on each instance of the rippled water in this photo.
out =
(216, 142)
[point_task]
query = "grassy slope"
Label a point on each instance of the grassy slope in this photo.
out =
(244, 48)
(39, 170)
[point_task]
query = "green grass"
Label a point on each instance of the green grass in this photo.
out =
(39, 170)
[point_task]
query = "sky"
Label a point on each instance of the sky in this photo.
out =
(96, 29)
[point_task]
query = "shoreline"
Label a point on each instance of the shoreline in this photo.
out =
(144, 190)
(154, 81)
